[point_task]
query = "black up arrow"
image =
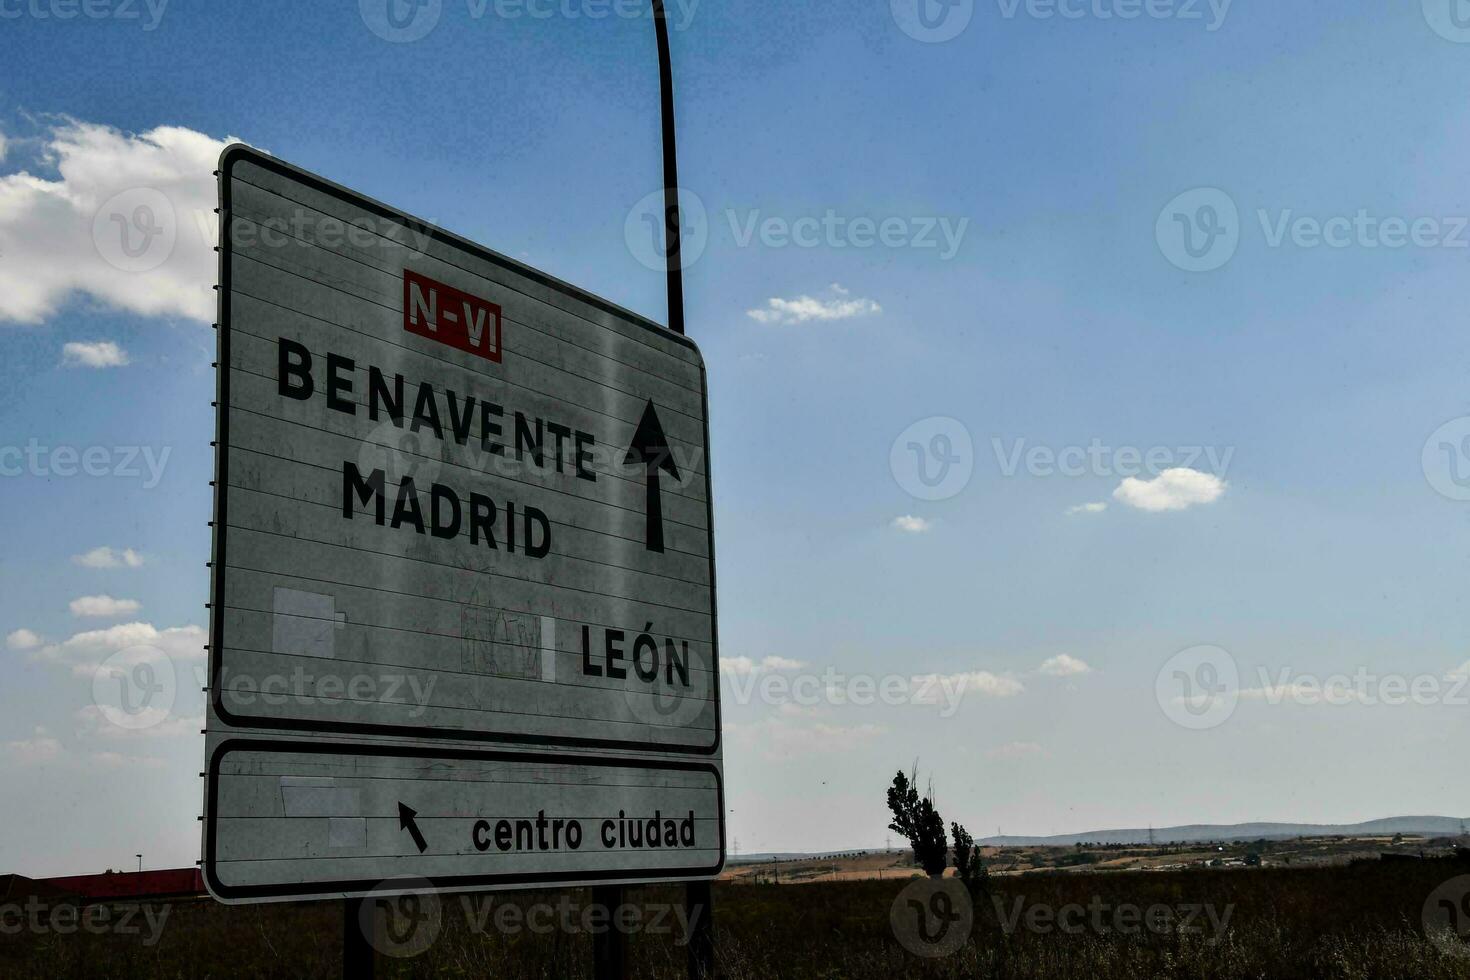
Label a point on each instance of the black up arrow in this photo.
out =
(651, 449)
(406, 822)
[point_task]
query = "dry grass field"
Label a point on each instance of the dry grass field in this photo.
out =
(1342, 923)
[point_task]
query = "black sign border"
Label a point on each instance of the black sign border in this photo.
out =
(239, 152)
(440, 884)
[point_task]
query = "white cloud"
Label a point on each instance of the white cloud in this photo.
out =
(781, 663)
(1064, 665)
(1174, 489)
(22, 639)
(1096, 508)
(912, 525)
(745, 666)
(84, 651)
(38, 749)
(1015, 750)
(803, 309)
(66, 236)
(105, 557)
(103, 605)
(3, 146)
(102, 354)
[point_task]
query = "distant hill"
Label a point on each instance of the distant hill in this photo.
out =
(760, 856)
(1193, 833)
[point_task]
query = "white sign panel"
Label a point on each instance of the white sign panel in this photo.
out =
(463, 564)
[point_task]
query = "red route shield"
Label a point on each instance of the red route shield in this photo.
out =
(451, 316)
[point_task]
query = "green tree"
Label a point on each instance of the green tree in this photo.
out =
(967, 861)
(916, 819)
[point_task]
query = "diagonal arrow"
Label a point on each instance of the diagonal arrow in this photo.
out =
(406, 822)
(650, 447)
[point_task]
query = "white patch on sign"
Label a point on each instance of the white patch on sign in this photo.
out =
(318, 796)
(305, 623)
(347, 831)
(548, 649)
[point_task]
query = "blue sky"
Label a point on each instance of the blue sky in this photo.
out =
(1321, 547)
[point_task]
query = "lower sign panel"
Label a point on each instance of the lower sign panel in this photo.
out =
(314, 820)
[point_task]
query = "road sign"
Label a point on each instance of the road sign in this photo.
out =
(463, 571)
